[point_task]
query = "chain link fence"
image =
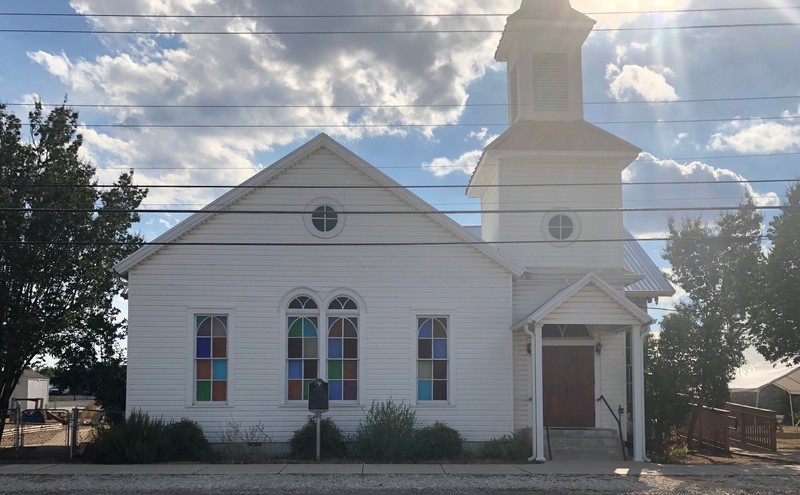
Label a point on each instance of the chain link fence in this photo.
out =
(52, 432)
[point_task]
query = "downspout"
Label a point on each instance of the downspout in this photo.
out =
(537, 438)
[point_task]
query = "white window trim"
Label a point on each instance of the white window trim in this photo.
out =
(451, 358)
(191, 312)
(316, 203)
(576, 232)
(361, 315)
(284, 333)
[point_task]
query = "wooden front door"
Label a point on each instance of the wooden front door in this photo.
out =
(568, 377)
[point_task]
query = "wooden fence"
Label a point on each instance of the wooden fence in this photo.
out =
(752, 428)
(712, 429)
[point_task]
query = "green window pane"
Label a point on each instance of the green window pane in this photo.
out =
(295, 327)
(306, 386)
(334, 370)
(203, 391)
(425, 370)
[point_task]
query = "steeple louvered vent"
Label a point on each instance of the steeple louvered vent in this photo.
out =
(550, 82)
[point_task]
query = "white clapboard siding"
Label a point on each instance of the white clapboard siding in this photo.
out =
(612, 379)
(528, 226)
(250, 283)
(591, 306)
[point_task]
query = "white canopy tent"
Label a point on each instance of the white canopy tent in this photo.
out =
(757, 373)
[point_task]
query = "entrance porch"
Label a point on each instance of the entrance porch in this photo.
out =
(582, 346)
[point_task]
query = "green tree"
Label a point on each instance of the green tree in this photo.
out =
(719, 266)
(777, 336)
(56, 278)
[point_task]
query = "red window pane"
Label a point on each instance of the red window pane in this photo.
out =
(351, 370)
(295, 390)
(439, 390)
(425, 348)
(220, 348)
(204, 370)
(219, 392)
(350, 391)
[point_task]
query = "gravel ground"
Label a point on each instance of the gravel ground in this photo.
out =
(460, 485)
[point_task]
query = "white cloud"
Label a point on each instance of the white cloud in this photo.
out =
(636, 82)
(696, 185)
(758, 136)
(466, 163)
(483, 136)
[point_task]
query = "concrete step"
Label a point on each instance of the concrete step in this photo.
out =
(584, 444)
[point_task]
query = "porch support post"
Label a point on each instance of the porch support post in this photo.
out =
(538, 394)
(637, 347)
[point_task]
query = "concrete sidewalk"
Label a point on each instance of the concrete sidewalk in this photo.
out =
(625, 469)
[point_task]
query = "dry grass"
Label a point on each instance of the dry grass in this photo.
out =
(789, 439)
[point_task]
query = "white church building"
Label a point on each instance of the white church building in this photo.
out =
(232, 314)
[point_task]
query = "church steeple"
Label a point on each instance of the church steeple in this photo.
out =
(542, 45)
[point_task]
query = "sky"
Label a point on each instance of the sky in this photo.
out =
(640, 84)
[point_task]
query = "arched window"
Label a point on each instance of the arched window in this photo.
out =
(302, 317)
(566, 332)
(343, 349)
(211, 358)
(432, 359)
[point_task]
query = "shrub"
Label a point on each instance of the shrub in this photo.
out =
(143, 440)
(187, 442)
(387, 432)
(515, 447)
(304, 440)
(437, 442)
(240, 444)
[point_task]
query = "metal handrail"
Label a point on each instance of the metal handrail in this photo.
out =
(619, 424)
(549, 446)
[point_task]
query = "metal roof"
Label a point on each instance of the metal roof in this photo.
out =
(637, 261)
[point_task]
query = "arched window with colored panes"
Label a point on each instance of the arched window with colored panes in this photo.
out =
(211, 359)
(432, 359)
(343, 349)
(302, 317)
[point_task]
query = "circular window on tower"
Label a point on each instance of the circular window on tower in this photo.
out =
(561, 227)
(324, 218)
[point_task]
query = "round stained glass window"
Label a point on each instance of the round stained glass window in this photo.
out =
(561, 227)
(325, 219)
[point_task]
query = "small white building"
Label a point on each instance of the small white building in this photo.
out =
(32, 385)
(232, 314)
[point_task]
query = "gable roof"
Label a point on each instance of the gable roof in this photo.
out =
(564, 295)
(757, 372)
(270, 173)
(33, 375)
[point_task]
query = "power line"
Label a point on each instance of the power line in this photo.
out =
(111, 211)
(408, 125)
(381, 106)
(375, 32)
(398, 167)
(364, 244)
(366, 16)
(419, 186)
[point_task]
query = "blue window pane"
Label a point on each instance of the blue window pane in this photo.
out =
(203, 348)
(309, 330)
(440, 349)
(424, 390)
(426, 329)
(220, 369)
(334, 348)
(335, 390)
(295, 369)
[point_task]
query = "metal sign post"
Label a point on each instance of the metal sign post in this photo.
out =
(318, 404)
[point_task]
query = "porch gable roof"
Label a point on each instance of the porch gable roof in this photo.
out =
(567, 293)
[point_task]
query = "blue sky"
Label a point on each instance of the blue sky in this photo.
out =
(628, 75)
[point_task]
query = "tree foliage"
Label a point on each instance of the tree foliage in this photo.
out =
(57, 282)
(719, 266)
(777, 334)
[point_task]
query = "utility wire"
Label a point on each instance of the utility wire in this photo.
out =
(400, 125)
(381, 106)
(111, 211)
(367, 244)
(376, 32)
(420, 186)
(367, 16)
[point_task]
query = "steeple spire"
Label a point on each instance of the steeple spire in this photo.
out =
(542, 46)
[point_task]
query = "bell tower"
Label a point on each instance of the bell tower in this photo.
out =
(542, 46)
(548, 184)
